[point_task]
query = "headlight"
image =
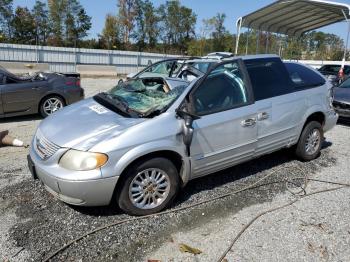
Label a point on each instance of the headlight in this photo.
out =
(82, 161)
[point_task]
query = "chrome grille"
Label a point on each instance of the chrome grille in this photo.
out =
(43, 147)
(340, 105)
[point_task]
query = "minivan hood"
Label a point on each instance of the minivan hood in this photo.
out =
(84, 124)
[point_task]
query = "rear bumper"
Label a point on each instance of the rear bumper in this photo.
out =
(94, 192)
(74, 95)
(331, 121)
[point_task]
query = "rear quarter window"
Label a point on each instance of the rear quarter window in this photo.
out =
(303, 77)
(269, 78)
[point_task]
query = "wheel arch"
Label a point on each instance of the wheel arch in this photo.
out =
(169, 154)
(182, 165)
(314, 114)
(50, 95)
(317, 116)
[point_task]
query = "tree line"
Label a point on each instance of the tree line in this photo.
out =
(139, 25)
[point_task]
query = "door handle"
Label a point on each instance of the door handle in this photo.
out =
(35, 88)
(263, 116)
(248, 122)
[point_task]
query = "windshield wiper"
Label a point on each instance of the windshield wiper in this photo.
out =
(119, 99)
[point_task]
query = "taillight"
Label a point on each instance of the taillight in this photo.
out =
(72, 83)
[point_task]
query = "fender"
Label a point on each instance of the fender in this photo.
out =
(153, 147)
(311, 110)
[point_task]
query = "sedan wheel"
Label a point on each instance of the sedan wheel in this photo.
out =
(50, 105)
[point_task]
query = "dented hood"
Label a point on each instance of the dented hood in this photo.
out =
(84, 124)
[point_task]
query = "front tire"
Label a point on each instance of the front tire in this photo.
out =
(148, 187)
(50, 105)
(310, 142)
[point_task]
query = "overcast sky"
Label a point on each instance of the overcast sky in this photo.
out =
(233, 9)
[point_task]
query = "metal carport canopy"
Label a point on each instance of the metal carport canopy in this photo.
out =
(295, 17)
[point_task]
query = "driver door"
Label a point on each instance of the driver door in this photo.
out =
(226, 133)
(20, 96)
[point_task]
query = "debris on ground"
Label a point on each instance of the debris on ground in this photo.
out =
(187, 249)
(7, 140)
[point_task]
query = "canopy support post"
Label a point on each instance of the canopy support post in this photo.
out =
(239, 26)
(347, 40)
(247, 42)
(267, 43)
(257, 41)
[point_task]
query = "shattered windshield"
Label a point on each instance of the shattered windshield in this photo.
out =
(145, 96)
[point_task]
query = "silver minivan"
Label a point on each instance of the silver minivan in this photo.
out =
(136, 145)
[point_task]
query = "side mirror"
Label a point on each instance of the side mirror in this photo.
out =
(187, 129)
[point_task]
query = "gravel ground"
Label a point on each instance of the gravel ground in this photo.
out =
(34, 224)
(316, 228)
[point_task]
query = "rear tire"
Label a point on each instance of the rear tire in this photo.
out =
(148, 187)
(50, 105)
(310, 141)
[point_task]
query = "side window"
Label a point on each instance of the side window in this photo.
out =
(9, 80)
(269, 78)
(161, 68)
(223, 89)
(304, 77)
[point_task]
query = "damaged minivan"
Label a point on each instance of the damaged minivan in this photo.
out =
(137, 145)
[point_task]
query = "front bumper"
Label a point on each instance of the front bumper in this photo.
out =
(343, 113)
(342, 109)
(90, 192)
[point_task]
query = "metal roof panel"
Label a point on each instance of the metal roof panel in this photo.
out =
(294, 17)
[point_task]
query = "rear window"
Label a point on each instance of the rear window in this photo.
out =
(269, 78)
(304, 77)
(334, 69)
(330, 68)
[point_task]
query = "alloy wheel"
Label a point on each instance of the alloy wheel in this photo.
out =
(149, 189)
(51, 105)
(313, 141)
